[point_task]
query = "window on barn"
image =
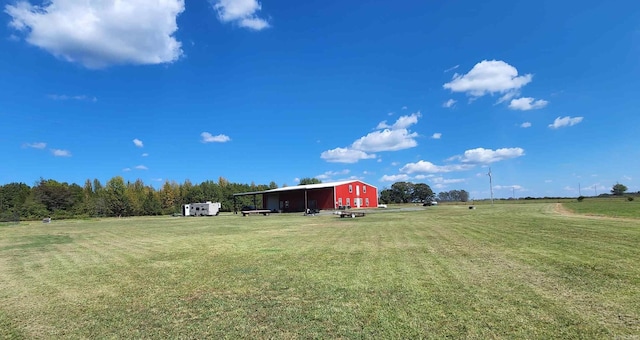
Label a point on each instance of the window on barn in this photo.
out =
(350, 189)
(348, 201)
(366, 201)
(340, 201)
(364, 189)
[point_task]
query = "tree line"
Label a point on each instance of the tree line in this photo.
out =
(407, 192)
(117, 197)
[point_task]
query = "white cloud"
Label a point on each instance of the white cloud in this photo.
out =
(508, 96)
(488, 77)
(565, 121)
(436, 135)
(141, 167)
(331, 174)
(386, 140)
(525, 125)
(449, 103)
(209, 138)
(242, 12)
(509, 187)
(486, 156)
(442, 180)
(145, 154)
(66, 97)
(61, 153)
(345, 155)
(138, 143)
(402, 122)
(394, 178)
(393, 138)
(98, 34)
(451, 68)
(428, 167)
(36, 145)
(126, 169)
(527, 103)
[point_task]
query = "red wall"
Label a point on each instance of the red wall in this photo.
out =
(342, 191)
(324, 197)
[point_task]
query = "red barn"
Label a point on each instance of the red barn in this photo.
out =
(323, 196)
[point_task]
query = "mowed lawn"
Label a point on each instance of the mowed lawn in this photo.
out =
(503, 271)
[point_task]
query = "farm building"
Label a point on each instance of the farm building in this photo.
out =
(201, 209)
(323, 196)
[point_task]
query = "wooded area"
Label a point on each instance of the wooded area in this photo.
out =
(50, 198)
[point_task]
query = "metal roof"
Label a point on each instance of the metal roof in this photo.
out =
(303, 187)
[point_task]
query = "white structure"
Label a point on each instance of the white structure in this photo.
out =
(201, 209)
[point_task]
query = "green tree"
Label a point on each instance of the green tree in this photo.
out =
(308, 180)
(618, 189)
(116, 198)
(401, 192)
(421, 192)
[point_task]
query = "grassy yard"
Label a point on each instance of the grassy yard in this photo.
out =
(502, 271)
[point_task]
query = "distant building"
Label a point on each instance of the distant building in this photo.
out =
(351, 194)
(201, 209)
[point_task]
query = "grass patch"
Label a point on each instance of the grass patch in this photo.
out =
(612, 207)
(504, 271)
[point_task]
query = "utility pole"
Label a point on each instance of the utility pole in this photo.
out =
(490, 185)
(579, 192)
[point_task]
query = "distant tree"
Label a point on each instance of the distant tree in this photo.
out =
(454, 196)
(618, 189)
(117, 200)
(421, 192)
(273, 185)
(385, 196)
(401, 192)
(308, 180)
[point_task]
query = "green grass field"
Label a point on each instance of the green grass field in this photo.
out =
(503, 271)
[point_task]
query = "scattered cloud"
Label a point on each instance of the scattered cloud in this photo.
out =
(508, 96)
(527, 103)
(488, 77)
(98, 34)
(332, 174)
(63, 97)
(209, 138)
(392, 138)
(138, 143)
(404, 108)
(386, 140)
(241, 12)
(442, 180)
(141, 167)
(395, 178)
(451, 68)
(565, 121)
(36, 145)
(61, 153)
(345, 155)
(449, 103)
(509, 187)
(487, 156)
(428, 167)
(525, 125)
(436, 135)
(145, 155)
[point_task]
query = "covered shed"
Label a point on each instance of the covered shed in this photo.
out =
(352, 194)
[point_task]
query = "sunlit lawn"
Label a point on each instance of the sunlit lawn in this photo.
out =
(503, 271)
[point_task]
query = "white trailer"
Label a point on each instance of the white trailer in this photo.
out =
(201, 209)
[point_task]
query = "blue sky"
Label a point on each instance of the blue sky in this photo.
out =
(544, 93)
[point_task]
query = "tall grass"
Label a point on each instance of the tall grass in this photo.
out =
(503, 271)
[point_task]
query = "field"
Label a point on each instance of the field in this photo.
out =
(533, 270)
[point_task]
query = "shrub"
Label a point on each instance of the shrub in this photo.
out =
(629, 198)
(580, 199)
